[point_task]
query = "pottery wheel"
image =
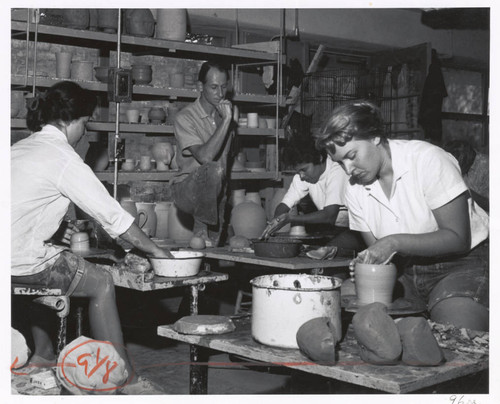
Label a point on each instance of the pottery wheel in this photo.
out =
(204, 324)
(398, 307)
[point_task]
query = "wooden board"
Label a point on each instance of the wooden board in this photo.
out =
(349, 366)
(146, 282)
(295, 263)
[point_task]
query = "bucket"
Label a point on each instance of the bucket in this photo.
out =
(282, 303)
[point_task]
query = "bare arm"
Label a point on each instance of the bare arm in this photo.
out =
(452, 237)
(209, 151)
(135, 236)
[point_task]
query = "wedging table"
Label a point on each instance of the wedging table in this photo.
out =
(348, 368)
(293, 264)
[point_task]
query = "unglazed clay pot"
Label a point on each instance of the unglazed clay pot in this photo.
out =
(171, 23)
(147, 217)
(180, 225)
(248, 219)
(101, 73)
(107, 20)
(82, 70)
(162, 152)
(142, 74)
(77, 18)
(139, 22)
(157, 115)
(374, 283)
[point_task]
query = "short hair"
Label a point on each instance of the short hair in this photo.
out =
(464, 152)
(360, 120)
(300, 150)
(206, 66)
(65, 101)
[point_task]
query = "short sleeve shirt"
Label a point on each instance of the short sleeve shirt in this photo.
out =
(192, 126)
(46, 175)
(329, 190)
(425, 178)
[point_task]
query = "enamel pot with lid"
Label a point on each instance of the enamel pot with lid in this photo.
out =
(281, 303)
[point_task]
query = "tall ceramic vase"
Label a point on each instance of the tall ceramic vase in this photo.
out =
(248, 219)
(171, 24)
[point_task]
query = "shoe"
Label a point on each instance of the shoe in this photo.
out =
(143, 387)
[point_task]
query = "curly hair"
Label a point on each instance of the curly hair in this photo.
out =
(301, 149)
(360, 120)
(64, 101)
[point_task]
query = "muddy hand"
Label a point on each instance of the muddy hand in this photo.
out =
(274, 225)
(68, 232)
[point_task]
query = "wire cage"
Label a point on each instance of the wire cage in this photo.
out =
(392, 89)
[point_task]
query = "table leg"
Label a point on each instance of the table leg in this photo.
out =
(198, 374)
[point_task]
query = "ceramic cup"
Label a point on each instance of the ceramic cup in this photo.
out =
(374, 283)
(133, 115)
(63, 65)
(145, 163)
(128, 165)
(82, 70)
(271, 123)
(298, 230)
(253, 119)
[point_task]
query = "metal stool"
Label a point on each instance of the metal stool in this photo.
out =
(53, 299)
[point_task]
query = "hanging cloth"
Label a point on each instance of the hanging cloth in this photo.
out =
(429, 116)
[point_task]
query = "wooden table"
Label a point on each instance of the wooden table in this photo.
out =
(348, 368)
(293, 264)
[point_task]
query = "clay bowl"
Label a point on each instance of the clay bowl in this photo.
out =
(101, 73)
(142, 74)
(184, 263)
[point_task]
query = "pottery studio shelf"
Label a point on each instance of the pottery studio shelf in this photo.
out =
(166, 92)
(18, 123)
(126, 176)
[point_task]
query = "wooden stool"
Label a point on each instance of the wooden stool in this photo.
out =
(243, 303)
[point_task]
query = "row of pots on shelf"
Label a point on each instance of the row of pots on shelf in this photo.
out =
(169, 23)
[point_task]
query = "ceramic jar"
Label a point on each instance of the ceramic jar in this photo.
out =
(180, 225)
(147, 217)
(162, 210)
(128, 165)
(142, 74)
(107, 20)
(139, 22)
(248, 219)
(77, 18)
(101, 73)
(162, 152)
(82, 70)
(157, 115)
(129, 205)
(374, 283)
(171, 24)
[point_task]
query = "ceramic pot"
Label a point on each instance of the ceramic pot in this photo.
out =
(129, 205)
(162, 210)
(237, 197)
(147, 217)
(101, 73)
(374, 283)
(248, 219)
(107, 20)
(139, 22)
(77, 18)
(142, 74)
(82, 70)
(63, 65)
(180, 225)
(253, 197)
(162, 152)
(128, 165)
(145, 163)
(16, 103)
(157, 115)
(171, 24)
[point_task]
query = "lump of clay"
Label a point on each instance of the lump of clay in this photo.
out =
(202, 324)
(20, 352)
(420, 347)
(316, 339)
(377, 335)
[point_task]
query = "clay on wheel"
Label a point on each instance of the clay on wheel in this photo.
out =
(203, 324)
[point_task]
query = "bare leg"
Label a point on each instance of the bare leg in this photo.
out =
(98, 286)
(461, 312)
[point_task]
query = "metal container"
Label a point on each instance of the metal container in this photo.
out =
(281, 303)
(184, 263)
(276, 248)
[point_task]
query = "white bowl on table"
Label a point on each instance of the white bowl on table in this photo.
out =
(184, 263)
